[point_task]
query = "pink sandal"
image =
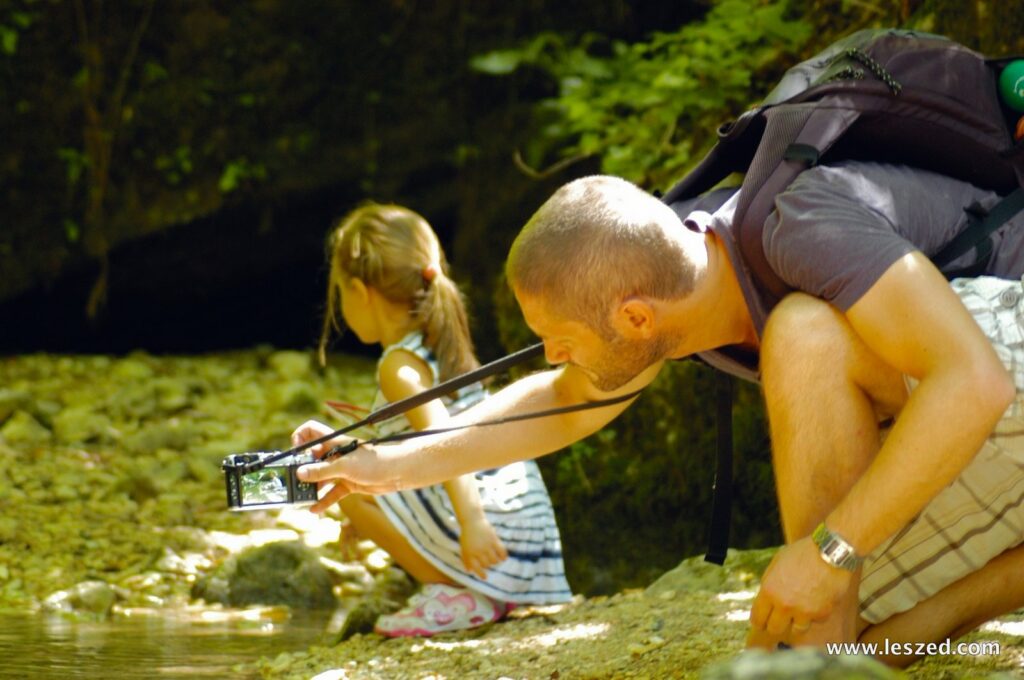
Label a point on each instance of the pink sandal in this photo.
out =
(440, 609)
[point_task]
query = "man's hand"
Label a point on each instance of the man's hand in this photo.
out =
(798, 588)
(314, 429)
(361, 471)
(481, 547)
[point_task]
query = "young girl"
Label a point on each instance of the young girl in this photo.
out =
(480, 543)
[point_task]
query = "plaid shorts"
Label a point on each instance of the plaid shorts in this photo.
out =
(981, 514)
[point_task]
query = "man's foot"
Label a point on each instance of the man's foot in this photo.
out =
(440, 609)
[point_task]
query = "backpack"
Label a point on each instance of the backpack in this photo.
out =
(884, 95)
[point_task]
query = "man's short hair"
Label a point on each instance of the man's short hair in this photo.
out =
(596, 241)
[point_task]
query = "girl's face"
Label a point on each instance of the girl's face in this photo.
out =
(356, 310)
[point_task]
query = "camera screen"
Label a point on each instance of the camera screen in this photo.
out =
(269, 485)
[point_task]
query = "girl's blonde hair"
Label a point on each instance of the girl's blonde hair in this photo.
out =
(394, 251)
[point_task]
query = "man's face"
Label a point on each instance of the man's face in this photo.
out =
(609, 363)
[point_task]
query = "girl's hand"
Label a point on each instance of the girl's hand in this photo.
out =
(481, 547)
(313, 429)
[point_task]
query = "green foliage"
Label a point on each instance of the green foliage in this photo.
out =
(175, 165)
(238, 171)
(75, 163)
(12, 25)
(649, 108)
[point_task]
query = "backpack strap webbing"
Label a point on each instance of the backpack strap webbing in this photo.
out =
(981, 227)
(721, 505)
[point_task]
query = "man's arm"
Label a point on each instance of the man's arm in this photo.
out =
(913, 321)
(433, 459)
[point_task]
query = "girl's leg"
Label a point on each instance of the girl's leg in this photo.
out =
(370, 522)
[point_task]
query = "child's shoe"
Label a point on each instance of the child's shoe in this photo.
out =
(439, 609)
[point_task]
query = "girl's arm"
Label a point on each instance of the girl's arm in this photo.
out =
(403, 374)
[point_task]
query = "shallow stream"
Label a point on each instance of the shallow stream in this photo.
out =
(50, 646)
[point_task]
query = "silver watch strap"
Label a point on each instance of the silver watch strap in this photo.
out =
(835, 550)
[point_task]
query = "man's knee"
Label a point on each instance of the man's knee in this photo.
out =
(808, 343)
(803, 332)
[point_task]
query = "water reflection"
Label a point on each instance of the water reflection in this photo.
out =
(38, 646)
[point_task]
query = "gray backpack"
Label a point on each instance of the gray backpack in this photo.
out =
(882, 95)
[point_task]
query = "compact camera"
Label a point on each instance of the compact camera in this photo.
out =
(253, 484)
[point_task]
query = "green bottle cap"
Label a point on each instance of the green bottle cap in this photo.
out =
(1011, 85)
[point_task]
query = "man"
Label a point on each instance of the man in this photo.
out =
(910, 537)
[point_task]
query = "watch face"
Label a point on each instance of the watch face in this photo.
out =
(834, 550)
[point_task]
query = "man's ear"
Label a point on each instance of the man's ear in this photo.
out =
(634, 318)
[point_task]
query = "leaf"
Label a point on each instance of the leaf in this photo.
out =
(8, 40)
(498, 62)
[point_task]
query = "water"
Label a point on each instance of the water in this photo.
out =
(47, 646)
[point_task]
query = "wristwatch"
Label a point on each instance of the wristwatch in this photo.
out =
(835, 550)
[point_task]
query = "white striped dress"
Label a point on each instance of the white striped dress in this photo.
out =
(515, 502)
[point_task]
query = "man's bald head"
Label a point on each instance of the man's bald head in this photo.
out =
(596, 241)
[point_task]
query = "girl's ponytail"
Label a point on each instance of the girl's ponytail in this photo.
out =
(442, 314)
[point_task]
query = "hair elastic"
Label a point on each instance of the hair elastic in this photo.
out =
(430, 272)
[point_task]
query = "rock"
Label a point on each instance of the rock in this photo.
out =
(742, 570)
(390, 591)
(171, 434)
(800, 664)
(132, 368)
(294, 396)
(286, 573)
(134, 401)
(22, 428)
(78, 424)
(172, 394)
(13, 400)
(290, 364)
(90, 597)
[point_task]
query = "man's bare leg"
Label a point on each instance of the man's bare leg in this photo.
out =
(825, 392)
(370, 522)
(994, 590)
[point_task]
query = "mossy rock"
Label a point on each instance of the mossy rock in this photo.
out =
(22, 428)
(742, 571)
(79, 424)
(801, 664)
(13, 400)
(287, 573)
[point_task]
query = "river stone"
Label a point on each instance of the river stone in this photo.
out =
(290, 364)
(742, 570)
(172, 434)
(172, 394)
(79, 424)
(294, 396)
(11, 401)
(92, 597)
(285, 572)
(391, 589)
(22, 428)
(800, 664)
(132, 368)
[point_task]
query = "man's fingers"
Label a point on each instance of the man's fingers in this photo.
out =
(316, 472)
(336, 493)
(759, 613)
(778, 623)
(801, 627)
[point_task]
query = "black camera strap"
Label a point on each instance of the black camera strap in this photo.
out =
(446, 387)
(412, 434)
